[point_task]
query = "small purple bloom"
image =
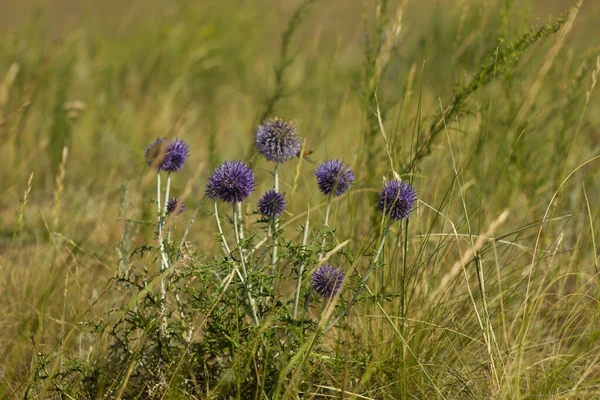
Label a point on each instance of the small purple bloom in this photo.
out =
(167, 155)
(231, 182)
(332, 176)
(326, 280)
(272, 204)
(276, 140)
(177, 153)
(397, 199)
(175, 204)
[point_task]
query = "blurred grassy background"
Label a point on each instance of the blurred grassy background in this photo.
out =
(104, 78)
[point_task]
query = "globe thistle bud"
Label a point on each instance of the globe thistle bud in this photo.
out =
(276, 140)
(231, 182)
(397, 199)
(334, 177)
(326, 280)
(175, 205)
(272, 204)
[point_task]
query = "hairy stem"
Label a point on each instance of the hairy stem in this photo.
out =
(224, 244)
(163, 266)
(165, 260)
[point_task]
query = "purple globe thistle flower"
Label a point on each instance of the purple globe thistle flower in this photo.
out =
(272, 204)
(175, 205)
(397, 199)
(231, 182)
(326, 280)
(177, 153)
(332, 176)
(167, 155)
(276, 140)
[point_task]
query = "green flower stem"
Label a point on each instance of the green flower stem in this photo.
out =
(276, 178)
(327, 212)
(224, 244)
(165, 260)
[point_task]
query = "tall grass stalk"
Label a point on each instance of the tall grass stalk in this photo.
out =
(309, 293)
(305, 230)
(239, 235)
(228, 253)
(275, 223)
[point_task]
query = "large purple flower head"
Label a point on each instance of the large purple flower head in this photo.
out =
(276, 140)
(174, 204)
(397, 199)
(326, 280)
(334, 177)
(272, 204)
(231, 182)
(167, 155)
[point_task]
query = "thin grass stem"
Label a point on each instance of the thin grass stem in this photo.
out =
(321, 252)
(236, 226)
(275, 231)
(302, 266)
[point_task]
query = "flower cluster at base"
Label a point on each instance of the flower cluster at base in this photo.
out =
(326, 280)
(397, 199)
(334, 177)
(231, 182)
(174, 204)
(276, 140)
(167, 155)
(272, 204)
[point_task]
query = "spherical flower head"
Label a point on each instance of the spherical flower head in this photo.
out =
(276, 140)
(231, 182)
(397, 199)
(272, 204)
(167, 155)
(326, 280)
(175, 205)
(177, 153)
(334, 177)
